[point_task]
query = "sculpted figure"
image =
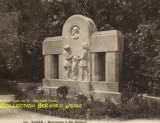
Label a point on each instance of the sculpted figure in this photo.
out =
(84, 58)
(75, 67)
(68, 60)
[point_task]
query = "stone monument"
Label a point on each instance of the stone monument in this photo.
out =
(86, 61)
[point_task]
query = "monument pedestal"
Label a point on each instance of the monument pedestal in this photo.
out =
(75, 87)
(97, 90)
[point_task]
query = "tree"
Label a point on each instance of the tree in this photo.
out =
(138, 20)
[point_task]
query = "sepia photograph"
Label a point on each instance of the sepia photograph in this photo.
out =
(79, 61)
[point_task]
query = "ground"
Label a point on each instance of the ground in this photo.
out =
(22, 116)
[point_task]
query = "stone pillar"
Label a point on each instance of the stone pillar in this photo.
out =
(98, 66)
(112, 67)
(61, 73)
(93, 66)
(51, 66)
(48, 61)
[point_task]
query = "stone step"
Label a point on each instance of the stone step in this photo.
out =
(104, 86)
(9, 97)
(96, 86)
(151, 98)
(103, 96)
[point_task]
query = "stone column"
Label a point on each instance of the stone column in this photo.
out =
(98, 66)
(61, 71)
(93, 66)
(51, 67)
(112, 67)
(49, 73)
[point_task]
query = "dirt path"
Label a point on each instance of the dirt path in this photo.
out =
(21, 116)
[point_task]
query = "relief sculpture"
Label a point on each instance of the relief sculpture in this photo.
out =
(75, 32)
(76, 67)
(84, 60)
(68, 61)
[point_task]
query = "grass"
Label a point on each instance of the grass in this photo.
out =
(132, 108)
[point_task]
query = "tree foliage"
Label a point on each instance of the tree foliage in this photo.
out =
(138, 20)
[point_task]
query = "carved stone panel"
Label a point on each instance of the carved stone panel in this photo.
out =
(76, 34)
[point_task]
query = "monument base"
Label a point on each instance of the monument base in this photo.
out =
(98, 90)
